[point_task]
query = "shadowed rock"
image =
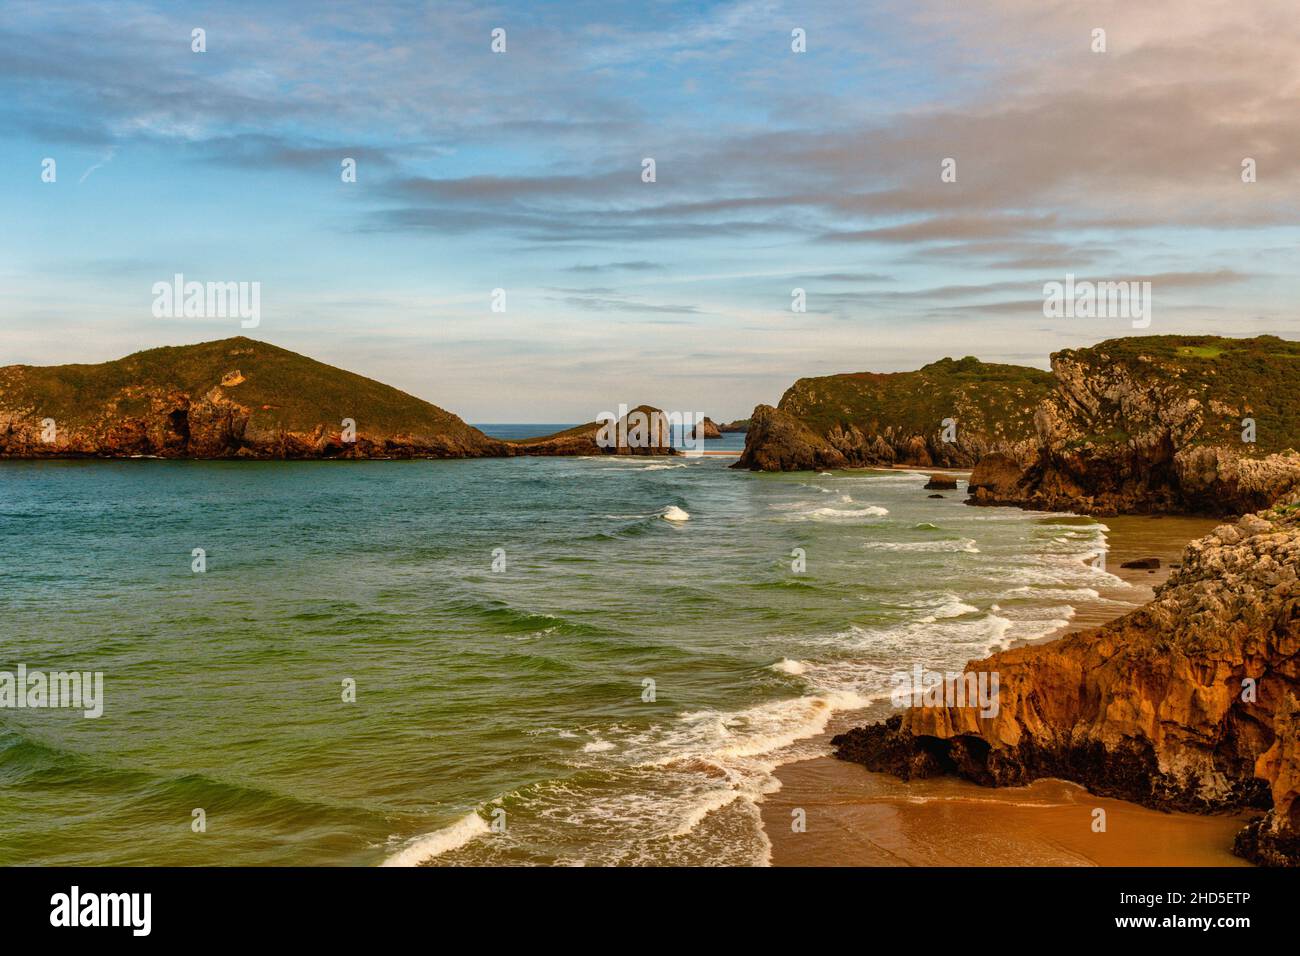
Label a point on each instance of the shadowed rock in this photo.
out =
(1185, 703)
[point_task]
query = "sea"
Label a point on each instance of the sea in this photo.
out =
(552, 661)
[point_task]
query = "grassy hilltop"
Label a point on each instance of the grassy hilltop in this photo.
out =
(1114, 391)
(995, 401)
(235, 396)
(882, 418)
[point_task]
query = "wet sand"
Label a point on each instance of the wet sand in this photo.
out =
(1132, 537)
(858, 818)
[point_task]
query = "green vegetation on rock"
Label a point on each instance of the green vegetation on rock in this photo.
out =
(235, 396)
(995, 401)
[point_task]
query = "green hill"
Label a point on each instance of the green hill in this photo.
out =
(233, 397)
(871, 418)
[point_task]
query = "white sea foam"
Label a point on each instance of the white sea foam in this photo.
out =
(687, 788)
(1061, 593)
(871, 511)
(434, 844)
(806, 511)
(950, 608)
(965, 544)
(762, 729)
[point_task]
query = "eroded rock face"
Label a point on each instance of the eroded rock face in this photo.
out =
(1274, 840)
(234, 398)
(949, 414)
(215, 425)
(1185, 703)
(1126, 433)
(777, 441)
(706, 429)
(645, 430)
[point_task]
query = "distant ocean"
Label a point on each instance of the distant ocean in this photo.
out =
(500, 716)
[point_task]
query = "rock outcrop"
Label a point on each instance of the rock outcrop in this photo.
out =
(1186, 703)
(644, 430)
(739, 425)
(234, 398)
(950, 413)
(1160, 424)
(239, 398)
(777, 441)
(706, 429)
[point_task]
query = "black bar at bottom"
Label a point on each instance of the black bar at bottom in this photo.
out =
(212, 906)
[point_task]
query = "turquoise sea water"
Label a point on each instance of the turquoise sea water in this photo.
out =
(516, 696)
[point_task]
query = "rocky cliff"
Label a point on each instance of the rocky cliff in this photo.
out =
(950, 413)
(232, 398)
(644, 430)
(1187, 424)
(706, 429)
(1186, 703)
(240, 398)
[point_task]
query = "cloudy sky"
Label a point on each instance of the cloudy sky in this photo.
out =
(522, 170)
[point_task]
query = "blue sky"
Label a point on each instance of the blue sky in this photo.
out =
(775, 170)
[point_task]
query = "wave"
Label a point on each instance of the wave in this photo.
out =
(432, 845)
(765, 728)
(871, 511)
(953, 607)
(801, 511)
(29, 762)
(963, 544)
(674, 513)
(687, 790)
(893, 478)
(1060, 593)
(507, 619)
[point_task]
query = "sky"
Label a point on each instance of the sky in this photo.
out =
(522, 170)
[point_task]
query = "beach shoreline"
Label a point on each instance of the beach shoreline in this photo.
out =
(854, 817)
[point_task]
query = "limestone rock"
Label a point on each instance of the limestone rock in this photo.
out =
(1184, 703)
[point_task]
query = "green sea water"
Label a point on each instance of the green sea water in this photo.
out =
(500, 716)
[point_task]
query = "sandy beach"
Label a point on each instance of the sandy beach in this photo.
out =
(858, 818)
